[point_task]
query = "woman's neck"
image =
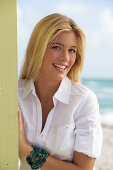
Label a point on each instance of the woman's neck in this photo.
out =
(45, 88)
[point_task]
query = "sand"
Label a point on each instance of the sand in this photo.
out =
(105, 161)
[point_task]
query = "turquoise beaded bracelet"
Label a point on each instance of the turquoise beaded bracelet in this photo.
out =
(37, 157)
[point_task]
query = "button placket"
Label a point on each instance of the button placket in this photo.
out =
(47, 124)
(39, 119)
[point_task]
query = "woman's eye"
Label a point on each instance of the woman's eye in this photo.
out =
(72, 50)
(56, 47)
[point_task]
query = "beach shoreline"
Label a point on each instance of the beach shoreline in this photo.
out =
(105, 161)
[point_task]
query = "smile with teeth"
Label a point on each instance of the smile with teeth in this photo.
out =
(60, 66)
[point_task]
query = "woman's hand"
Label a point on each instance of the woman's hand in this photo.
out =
(24, 147)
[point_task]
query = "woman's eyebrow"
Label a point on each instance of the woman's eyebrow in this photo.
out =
(58, 43)
(74, 46)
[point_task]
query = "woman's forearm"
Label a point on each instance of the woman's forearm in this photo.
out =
(26, 150)
(51, 162)
(56, 164)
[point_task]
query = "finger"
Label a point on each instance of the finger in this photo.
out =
(19, 109)
(19, 113)
(19, 117)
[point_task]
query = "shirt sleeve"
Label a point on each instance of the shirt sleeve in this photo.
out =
(88, 130)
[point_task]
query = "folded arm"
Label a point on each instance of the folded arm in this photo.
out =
(80, 162)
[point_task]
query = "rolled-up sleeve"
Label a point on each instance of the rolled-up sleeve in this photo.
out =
(88, 132)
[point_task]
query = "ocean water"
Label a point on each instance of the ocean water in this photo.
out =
(103, 88)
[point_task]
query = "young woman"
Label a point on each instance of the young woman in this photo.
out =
(59, 121)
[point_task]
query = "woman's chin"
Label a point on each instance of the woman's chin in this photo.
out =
(59, 77)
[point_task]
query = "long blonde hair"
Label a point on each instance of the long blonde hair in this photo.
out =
(44, 32)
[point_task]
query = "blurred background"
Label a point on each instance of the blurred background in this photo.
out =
(96, 19)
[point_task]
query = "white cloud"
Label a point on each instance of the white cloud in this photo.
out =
(106, 18)
(27, 16)
(101, 35)
(72, 8)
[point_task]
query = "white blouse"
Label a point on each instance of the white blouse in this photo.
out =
(72, 125)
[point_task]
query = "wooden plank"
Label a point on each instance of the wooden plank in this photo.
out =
(9, 86)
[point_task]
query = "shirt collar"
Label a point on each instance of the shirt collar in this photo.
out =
(28, 88)
(62, 94)
(64, 91)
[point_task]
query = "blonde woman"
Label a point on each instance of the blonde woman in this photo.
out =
(59, 121)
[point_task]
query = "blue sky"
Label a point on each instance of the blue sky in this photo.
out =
(94, 17)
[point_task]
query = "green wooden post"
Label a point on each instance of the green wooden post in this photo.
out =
(9, 86)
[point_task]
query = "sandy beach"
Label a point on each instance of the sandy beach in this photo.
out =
(105, 161)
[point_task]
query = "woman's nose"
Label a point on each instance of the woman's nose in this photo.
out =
(64, 56)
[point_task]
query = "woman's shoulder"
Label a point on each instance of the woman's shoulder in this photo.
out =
(80, 89)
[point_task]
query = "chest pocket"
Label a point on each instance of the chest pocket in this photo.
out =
(60, 142)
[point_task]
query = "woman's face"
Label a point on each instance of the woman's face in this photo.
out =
(60, 56)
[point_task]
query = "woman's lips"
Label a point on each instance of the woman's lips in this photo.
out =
(60, 66)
